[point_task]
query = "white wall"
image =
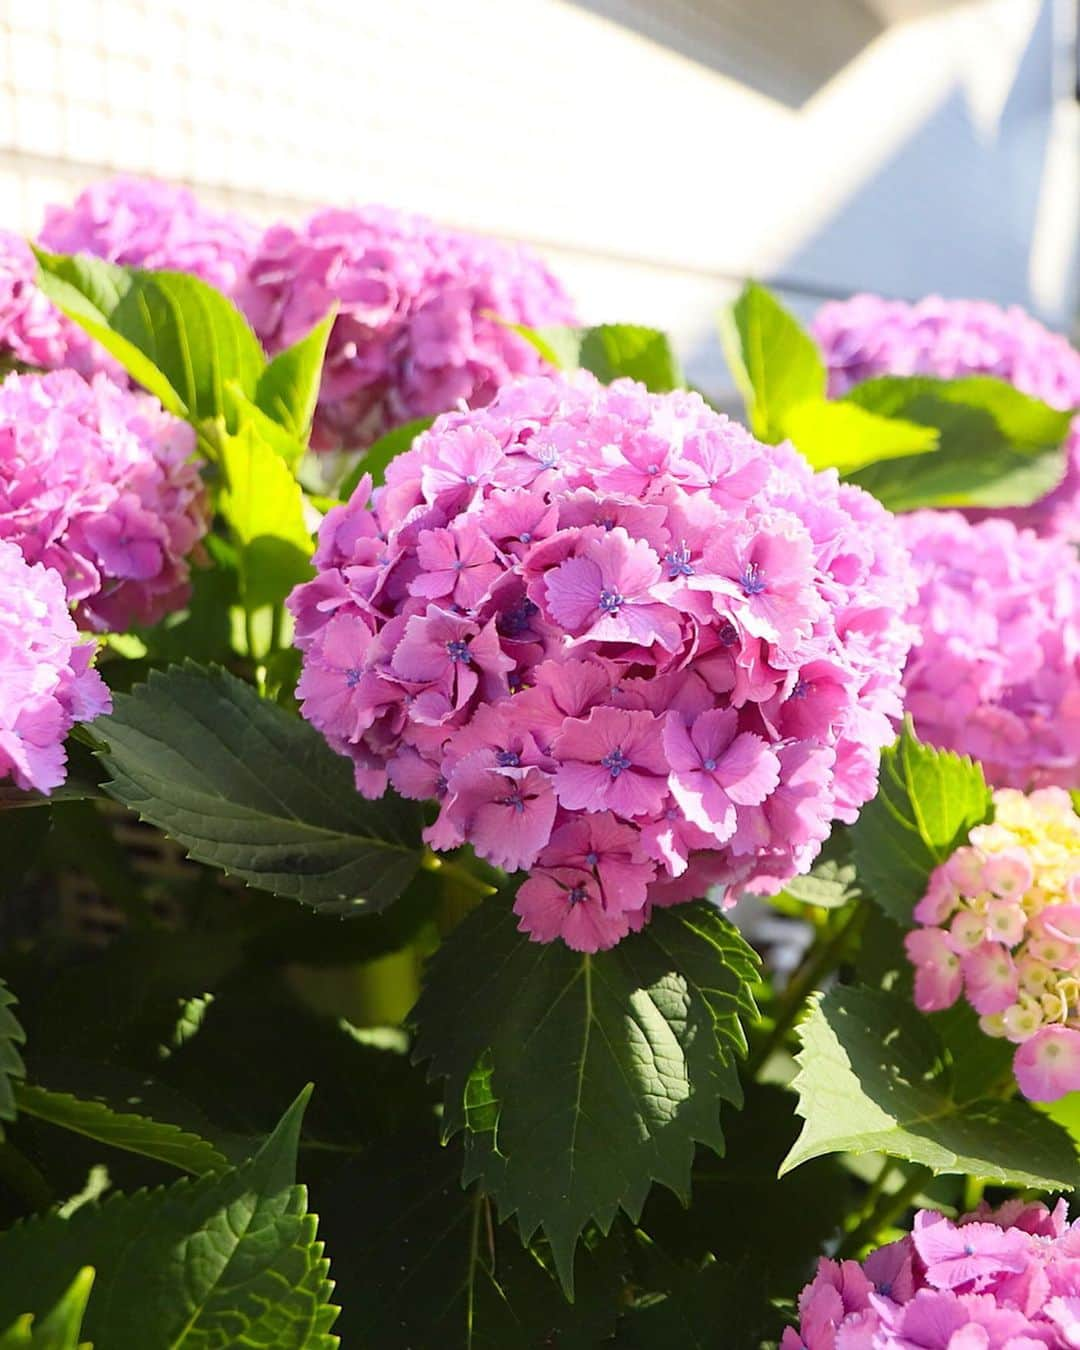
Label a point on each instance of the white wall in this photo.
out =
(942, 156)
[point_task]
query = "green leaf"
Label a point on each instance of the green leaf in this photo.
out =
(1028, 423)
(719, 1306)
(996, 448)
(125, 1130)
(178, 326)
(846, 437)
(611, 351)
(599, 1072)
(288, 388)
(248, 787)
(284, 442)
(474, 1285)
(264, 507)
(832, 882)
(88, 290)
(226, 1261)
(375, 460)
(59, 1328)
(11, 1063)
(926, 803)
(874, 1078)
(774, 361)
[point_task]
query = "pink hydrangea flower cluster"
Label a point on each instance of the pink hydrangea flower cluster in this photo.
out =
(101, 485)
(32, 332)
(418, 327)
(1000, 923)
(1006, 1279)
(141, 222)
(995, 671)
(868, 336)
(45, 674)
(622, 643)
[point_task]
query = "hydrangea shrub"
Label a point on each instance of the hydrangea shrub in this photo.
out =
(444, 752)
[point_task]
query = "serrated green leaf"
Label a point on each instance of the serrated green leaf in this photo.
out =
(175, 334)
(874, 1078)
(59, 1328)
(12, 1067)
(229, 1260)
(606, 1068)
(288, 388)
(248, 787)
(611, 351)
(846, 437)
(926, 803)
(375, 460)
(125, 1130)
(421, 1262)
(264, 507)
(832, 882)
(774, 361)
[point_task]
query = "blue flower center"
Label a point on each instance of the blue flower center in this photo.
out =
(727, 633)
(885, 1289)
(458, 651)
(969, 1250)
(679, 564)
(592, 859)
(515, 800)
(709, 764)
(525, 536)
(352, 678)
(516, 620)
(576, 896)
(610, 602)
(507, 759)
(458, 565)
(615, 762)
(652, 470)
(802, 688)
(470, 478)
(752, 580)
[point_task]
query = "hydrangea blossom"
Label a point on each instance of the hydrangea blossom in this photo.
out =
(418, 327)
(868, 336)
(45, 674)
(995, 672)
(1005, 1279)
(622, 643)
(101, 485)
(140, 222)
(32, 332)
(1000, 924)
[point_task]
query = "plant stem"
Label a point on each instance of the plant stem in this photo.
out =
(462, 875)
(821, 958)
(888, 1208)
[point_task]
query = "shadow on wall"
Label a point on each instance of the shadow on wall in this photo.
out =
(954, 208)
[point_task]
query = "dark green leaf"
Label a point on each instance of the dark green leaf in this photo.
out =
(375, 460)
(846, 437)
(288, 388)
(248, 787)
(774, 361)
(421, 1262)
(11, 1063)
(599, 1073)
(228, 1260)
(59, 1328)
(180, 327)
(874, 1078)
(926, 803)
(120, 1129)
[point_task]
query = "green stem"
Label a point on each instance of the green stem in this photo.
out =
(432, 863)
(888, 1208)
(821, 958)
